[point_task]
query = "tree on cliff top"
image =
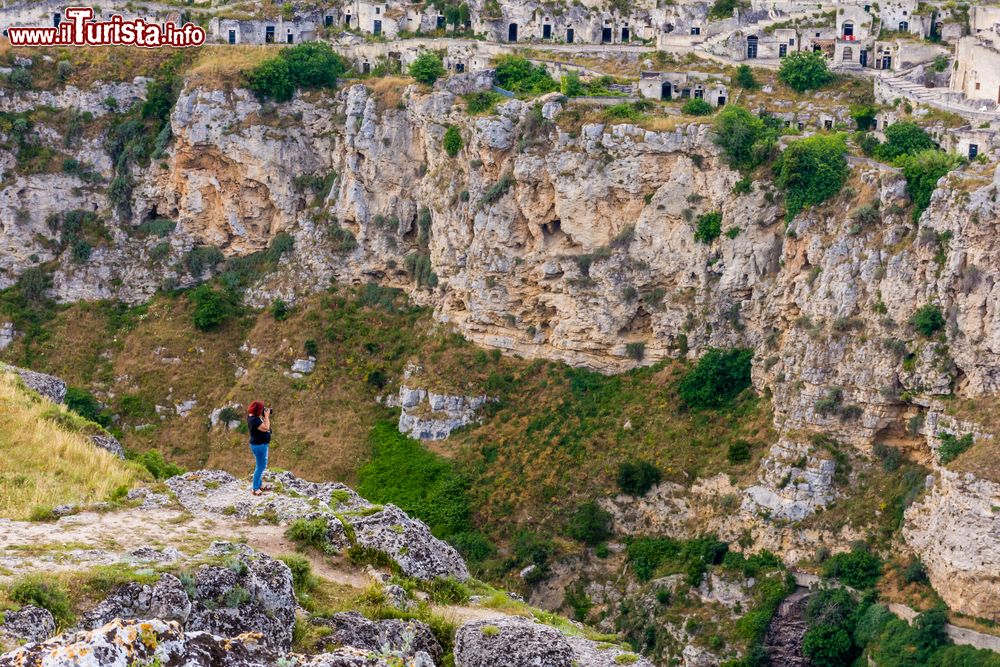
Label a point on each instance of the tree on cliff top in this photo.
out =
(307, 66)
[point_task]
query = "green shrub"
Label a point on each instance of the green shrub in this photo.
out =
(697, 107)
(744, 138)
(154, 462)
(952, 446)
(635, 350)
(452, 141)
(83, 403)
(200, 258)
(590, 524)
(303, 580)
(915, 572)
(901, 139)
(723, 9)
(717, 378)
(638, 477)
(744, 78)
(927, 320)
(520, 76)
(419, 482)
(211, 308)
(482, 102)
(310, 65)
(922, 172)
(474, 546)
(811, 171)
(857, 568)
(427, 68)
(309, 533)
(827, 646)
(739, 452)
(804, 70)
(864, 116)
(708, 227)
(47, 594)
(280, 310)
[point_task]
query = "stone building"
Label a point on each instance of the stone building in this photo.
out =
(977, 71)
(854, 40)
(683, 85)
(301, 28)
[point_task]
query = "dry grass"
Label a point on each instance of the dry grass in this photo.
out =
(388, 91)
(95, 63)
(45, 464)
(222, 66)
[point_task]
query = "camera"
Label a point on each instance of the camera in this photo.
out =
(269, 411)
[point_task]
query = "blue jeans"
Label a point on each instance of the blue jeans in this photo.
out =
(260, 456)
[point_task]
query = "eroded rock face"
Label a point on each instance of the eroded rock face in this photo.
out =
(48, 386)
(955, 529)
(110, 443)
(513, 641)
(165, 600)
(409, 542)
(410, 639)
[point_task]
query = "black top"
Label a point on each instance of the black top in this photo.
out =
(257, 437)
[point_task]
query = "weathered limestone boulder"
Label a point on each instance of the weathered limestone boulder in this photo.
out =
(110, 443)
(253, 593)
(165, 600)
(29, 623)
(955, 529)
(794, 482)
(409, 638)
(410, 543)
(513, 641)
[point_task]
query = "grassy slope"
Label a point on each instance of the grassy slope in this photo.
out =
(46, 460)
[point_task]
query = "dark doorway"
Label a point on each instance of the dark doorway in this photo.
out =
(782, 50)
(289, 38)
(695, 30)
(886, 62)
(366, 67)
(685, 93)
(232, 36)
(347, 21)
(440, 22)
(625, 34)
(56, 19)
(666, 90)
(328, 20)
(459, 67)
(751, 47)
(863, 57)
(546, 31)
(904, 26)
(606, 35)
(269, 34)
(848, 29)
(377, 28)
(699, 93)
(722, 100)
(570, 35)
(973, 151)
(512, 32)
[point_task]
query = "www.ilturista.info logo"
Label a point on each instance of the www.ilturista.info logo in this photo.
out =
(77, 29)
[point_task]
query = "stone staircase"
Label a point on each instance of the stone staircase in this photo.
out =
(897, 85)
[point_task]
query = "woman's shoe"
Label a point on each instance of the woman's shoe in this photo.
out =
(265, 488)
(257, 492)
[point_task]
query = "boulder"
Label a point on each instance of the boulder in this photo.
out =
(407, 638)
(165, 600)
(253, 593)
(410, 543)
(29, 623)
(110, 443)
(48, 386)
(511, 641)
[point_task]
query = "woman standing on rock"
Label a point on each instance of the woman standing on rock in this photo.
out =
(259, 421)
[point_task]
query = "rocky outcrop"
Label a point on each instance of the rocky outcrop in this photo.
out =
(411, 639)
(110, 443)
(955, 529)
(351, 520)
(426, 415)
(513, 641)
(165, 600)
(795, 482)
(48, 386)
(29, 623)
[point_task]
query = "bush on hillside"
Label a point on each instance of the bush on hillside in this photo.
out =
(520, 76)
(154, 462)
(83, 403)
(744, 138)
(864, 116)
(858, 568)
(307, 533)
(427, 68)
(310, 65)
(738, 452)
(637, 477)
(37, 590)
(804, 70)
(922, 172)
(717, 378)
(927, 320)
(708, 227)
(811, 171)
(723, 9)
(902, 139)
(744, 78)
(697, 107)
(452, 141)
(590, 524)
(211, 308)
(482, 102)
(952, 446)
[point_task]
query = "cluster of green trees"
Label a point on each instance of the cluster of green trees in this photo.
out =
(307, 66)
(521, 77)
(717, 378)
